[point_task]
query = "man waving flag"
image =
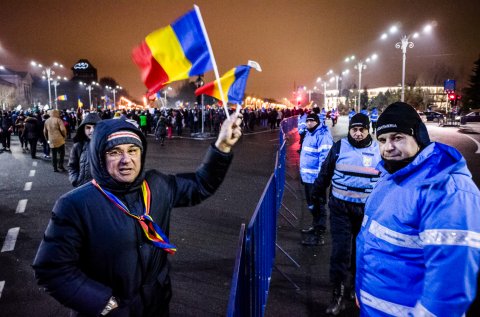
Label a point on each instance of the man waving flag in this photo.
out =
(175, 52)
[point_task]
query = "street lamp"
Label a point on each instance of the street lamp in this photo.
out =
(325, 84)
(403, 45)
(199, 82)
(89, 87)
(114, 91)
(361, 65)
(48, 72)
(55, 83)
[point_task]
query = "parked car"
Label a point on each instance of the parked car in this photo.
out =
(422, 116)
(473, 116)
(433, 116)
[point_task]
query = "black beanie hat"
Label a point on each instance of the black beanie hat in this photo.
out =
(359, 120)
(401, 117)
(313, 116)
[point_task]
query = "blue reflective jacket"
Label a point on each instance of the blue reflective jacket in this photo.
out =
(302, 123)
(322, 115)
(418, 250)
(351, 114)
(355, 173)
(374, 115)
(315, 149)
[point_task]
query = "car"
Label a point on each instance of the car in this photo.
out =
(473, 116)
(433, 116)
(422, 116)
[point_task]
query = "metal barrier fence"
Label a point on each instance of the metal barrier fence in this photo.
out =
(256, 249)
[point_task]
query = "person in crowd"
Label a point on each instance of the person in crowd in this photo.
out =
(365, 111)
(301, 127)
(108, 253)
(161, 130)
(55, 133)
(318, 141)
(334, 116)
(323, 116)
(351, 114)
(418, 250)
(6, 129)
(78, 166)
(41, 126)
(20, 125)
(31, 133)
(349, 171)
(374, 119)
(272, 119)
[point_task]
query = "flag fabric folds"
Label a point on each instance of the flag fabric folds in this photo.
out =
(80, 103)
(172, 53)
(62, 97)
(233, 85)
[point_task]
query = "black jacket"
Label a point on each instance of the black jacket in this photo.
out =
(92, 250)
(31, 130)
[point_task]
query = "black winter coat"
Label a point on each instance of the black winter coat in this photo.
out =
(78, 165)
(91, 250)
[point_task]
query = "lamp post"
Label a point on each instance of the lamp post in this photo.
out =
(48, 72)
(403, 45)
(360, 65)
(324, 83)
(89, 87)
(114, 91)
(199, 83)
(55, 83)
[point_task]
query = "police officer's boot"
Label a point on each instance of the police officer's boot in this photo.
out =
(337, 304)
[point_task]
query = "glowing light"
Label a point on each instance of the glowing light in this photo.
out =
(393, 29)
(384, 36)
(427, 28)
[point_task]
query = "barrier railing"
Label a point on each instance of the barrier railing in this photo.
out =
(256, 250)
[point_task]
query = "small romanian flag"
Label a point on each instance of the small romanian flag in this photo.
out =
(233, 83)
(175, 52)
(62, 97)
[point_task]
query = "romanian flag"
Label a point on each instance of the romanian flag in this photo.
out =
(233, 84)
(62, 97)
(174, 52)
(80, 103)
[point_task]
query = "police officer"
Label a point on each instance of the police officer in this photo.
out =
(350, 169)
(315, 147)
(374, 119)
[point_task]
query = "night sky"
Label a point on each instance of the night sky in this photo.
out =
(294, 41)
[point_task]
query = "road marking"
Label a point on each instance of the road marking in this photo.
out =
(28, 186)
(2, 284)
(32, 173)
(10, 239)
(476, 142)
(34, 163)
(22, 204)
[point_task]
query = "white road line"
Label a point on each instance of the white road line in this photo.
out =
(34, 163)
(22, 204)
(28, 186)
(476, 142)
(32, 173)
(10, 239)
(2, 284)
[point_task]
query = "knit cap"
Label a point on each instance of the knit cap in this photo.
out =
(313, 116)
(359, 120)
(401, 117)
(123, 137)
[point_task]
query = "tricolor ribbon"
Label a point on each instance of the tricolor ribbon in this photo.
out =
(152, 231)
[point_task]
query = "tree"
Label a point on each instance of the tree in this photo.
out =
(471, 94)
(364, 98)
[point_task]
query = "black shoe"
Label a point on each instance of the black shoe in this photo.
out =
(55, 170)
(308, 230)
(337, 303)
(61, 169)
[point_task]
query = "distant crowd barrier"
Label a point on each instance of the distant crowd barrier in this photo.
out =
(256, 247)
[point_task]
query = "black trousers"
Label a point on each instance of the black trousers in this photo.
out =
(61, 151)
(318, 211)
(345, 223)
(33, 147)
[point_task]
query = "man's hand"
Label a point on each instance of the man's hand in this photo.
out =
(230, 133)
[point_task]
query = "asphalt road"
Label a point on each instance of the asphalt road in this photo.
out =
(206, 236)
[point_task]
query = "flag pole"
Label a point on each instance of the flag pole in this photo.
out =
(214, 63)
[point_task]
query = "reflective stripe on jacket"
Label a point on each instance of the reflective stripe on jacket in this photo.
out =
(302, 123)
(315, 149)
(355, 174)
(419, 246)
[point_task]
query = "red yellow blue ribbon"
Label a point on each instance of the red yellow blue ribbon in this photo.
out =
(152, 231)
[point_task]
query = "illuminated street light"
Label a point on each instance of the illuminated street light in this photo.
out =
(55, 83)
(403, 45)
(114, 91)
(48, 72)
(89, 87)
(325, 84)
(361, 65)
